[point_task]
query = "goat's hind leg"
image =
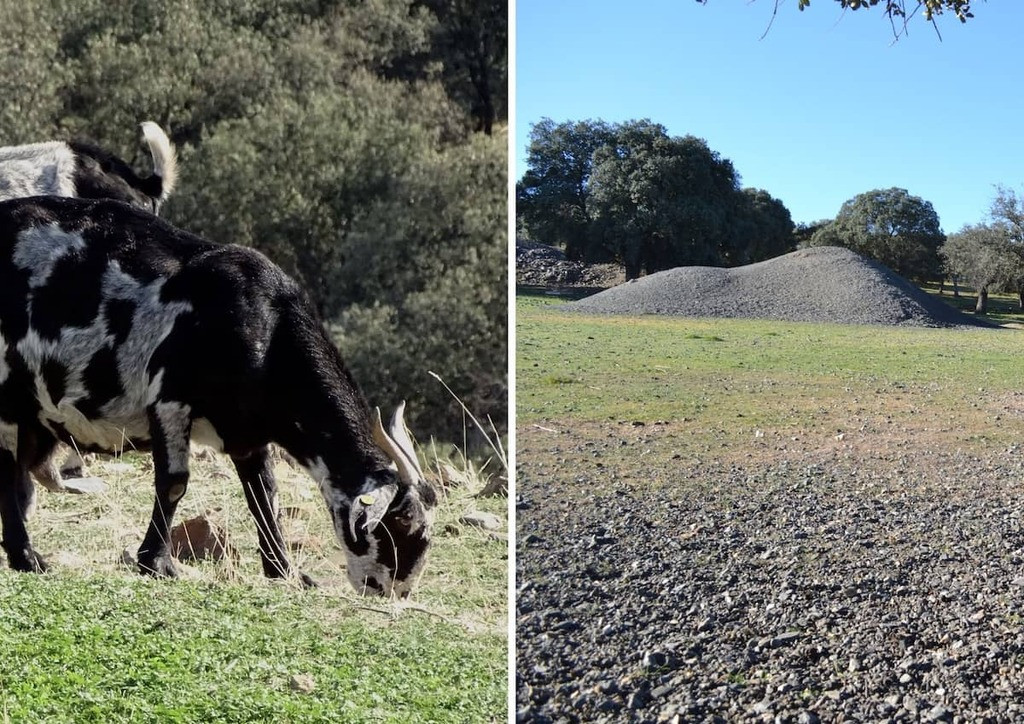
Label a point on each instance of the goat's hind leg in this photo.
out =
(260, 488)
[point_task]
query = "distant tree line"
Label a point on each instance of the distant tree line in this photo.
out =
(633, 194)
(989, 256)
(361, 145)
(903, 232)
(891, 226)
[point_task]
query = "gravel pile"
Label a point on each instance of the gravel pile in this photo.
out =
(794, 591)
(541, 265)
(821, 284)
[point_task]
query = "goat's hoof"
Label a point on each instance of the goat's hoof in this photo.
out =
(27, 561)
(157, 566)
(307, 582)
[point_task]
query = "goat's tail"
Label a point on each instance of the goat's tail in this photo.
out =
(165, 160)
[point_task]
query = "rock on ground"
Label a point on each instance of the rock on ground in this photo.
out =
(546, 266)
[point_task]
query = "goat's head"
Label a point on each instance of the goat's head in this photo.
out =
(385, 530)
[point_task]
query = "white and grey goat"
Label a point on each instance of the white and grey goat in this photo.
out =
(119, 330)
(74, 168)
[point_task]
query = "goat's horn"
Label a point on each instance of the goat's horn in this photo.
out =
(400, 434)
(407, 471)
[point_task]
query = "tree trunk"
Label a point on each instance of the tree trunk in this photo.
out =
(632, 269)
(956, 288)
(982, 305)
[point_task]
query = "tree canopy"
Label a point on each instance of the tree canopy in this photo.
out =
(891, 226)
(981, 257)
(338, 138)
(899, 12)
(632, 193)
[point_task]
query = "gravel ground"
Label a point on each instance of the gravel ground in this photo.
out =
(878, 588)
(821, 284)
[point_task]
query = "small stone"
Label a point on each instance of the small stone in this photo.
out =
(638, 700)
(479, 519)
(302, 682)
(938, 713)
(655, 660)
(662, 691)
(198, 539)
(784, 639)
(91, 486)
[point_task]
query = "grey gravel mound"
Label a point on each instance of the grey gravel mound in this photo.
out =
(821, 284)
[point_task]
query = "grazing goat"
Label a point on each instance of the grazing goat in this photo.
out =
(56, 168)
(118, 330)
(59, 168)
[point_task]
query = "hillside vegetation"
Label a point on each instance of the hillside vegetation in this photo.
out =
(345, 140)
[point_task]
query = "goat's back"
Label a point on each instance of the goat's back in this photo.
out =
(104, 304)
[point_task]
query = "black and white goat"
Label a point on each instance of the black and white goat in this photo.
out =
(72, 168)
(118, 330)
(58, 168)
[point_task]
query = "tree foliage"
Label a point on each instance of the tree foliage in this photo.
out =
(661, 201)
(336, 137)
(1008, 212)
(632, 193)
(891, 226)
(899, 12)
(981, 256)
(552, 196)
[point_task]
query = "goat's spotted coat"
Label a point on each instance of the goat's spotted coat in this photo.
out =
(56, 168)
(119, 331)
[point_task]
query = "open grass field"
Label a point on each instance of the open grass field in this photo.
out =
(739, 385)
(1003, 308)
(92, 641)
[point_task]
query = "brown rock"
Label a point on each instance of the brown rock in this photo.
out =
(199, 539)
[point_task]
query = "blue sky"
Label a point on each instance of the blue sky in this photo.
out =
(825, 107)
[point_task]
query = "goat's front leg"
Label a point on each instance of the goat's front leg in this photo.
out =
(257, 477)
(170, 425)
(17, 497)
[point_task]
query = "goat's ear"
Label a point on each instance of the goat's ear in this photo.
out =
(404, 459)
(371, 508)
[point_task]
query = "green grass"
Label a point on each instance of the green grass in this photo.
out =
(729, 380)
(102, 648)
(1002, 308)
(92, 641)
